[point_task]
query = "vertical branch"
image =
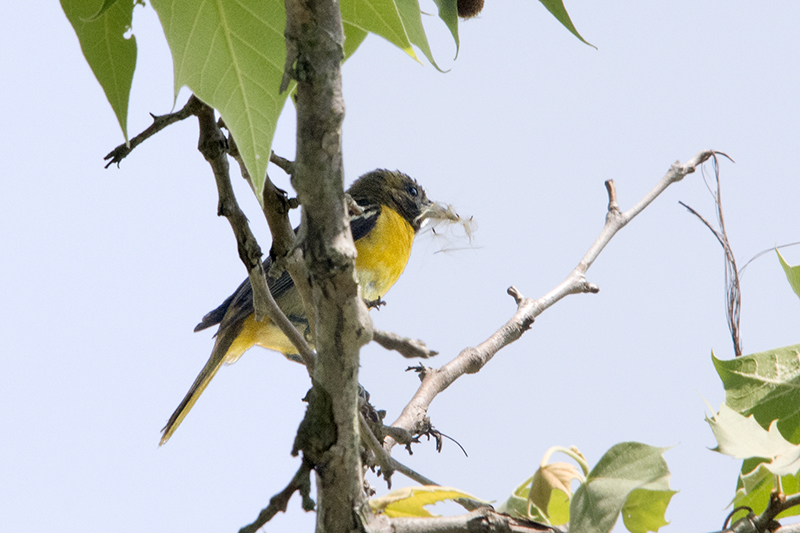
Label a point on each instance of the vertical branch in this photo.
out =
(314, 42)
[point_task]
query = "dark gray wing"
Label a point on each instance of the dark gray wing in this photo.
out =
(241, 301)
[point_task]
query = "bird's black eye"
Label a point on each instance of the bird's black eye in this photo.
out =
(412, 190)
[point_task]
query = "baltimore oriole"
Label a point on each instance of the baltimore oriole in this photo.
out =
(394, 207)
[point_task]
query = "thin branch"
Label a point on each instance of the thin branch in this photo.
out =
(765, 522)
(410, 348)
(276, 206)
(301, 482)
(284, 164)
(159, 123)
(778, 503)
(214, 146)
(472, 359)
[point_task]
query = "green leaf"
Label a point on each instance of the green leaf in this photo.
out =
(101, 33)
(765, 385)
(381, 17)
(231, 54)
(757, 498)
(448, 12)
(411, 501)
(106, 5)
(353, 37)
(412, 20)
(792, 273)
(625, 468)
(397, 21)
(556, 7)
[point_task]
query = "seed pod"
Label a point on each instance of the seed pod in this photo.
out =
(469, 8)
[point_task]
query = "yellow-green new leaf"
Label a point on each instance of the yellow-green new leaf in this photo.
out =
(550, 478)
(101, 28)
(644, 510)
(792, 273)
(411, 501)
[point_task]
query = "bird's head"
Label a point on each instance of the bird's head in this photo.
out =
(394, 190)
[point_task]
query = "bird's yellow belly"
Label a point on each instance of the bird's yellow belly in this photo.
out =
(382, 257)
(383, 254)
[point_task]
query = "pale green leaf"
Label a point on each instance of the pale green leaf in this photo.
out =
(792, 273)
(766, 385)
(622, 470)
(231, 54)
(644, 510)
(110, 55)
(411, 501)
(556, 7)
(742, 437)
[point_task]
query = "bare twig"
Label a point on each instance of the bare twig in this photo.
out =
(301, 482)
(284, 253)
(285, 165)
(732, 285)
(213, 146)
(159, 123)
(406, 347)
(472, 359)
(276, 206)
(765, 522)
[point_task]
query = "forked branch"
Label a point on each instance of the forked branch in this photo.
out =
(472, 359)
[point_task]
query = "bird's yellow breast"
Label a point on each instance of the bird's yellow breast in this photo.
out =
(383, 254)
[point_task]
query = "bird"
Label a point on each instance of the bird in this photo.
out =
(393, 207)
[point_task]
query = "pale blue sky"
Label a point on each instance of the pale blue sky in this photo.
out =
(106, 272)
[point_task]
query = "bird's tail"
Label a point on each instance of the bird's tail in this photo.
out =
(221, 346)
